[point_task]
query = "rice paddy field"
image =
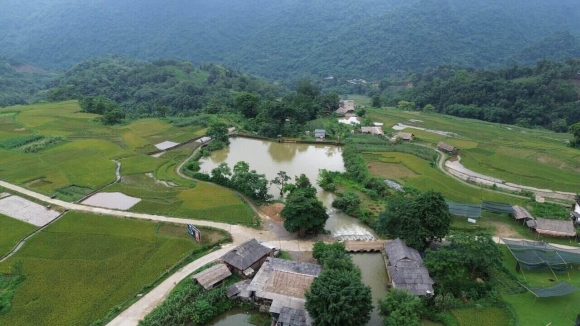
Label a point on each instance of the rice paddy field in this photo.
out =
(84, 159)
(417, 172)
(11, 231)
(530, 157)
(84, 265)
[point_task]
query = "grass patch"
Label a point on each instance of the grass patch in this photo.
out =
(481, 317)
(92, 262)
(12, 231)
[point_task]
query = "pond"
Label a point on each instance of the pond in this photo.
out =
(269, 158)
(234, 317)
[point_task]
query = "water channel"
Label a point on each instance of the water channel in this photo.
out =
(269, 158)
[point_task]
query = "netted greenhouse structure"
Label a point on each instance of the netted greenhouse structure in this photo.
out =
(557, 290)
(467, 210)
(541, 255)
(497, 207)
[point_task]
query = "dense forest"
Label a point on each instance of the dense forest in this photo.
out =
(291, 39)
(546, 95)
(158, 88)
(21, 84)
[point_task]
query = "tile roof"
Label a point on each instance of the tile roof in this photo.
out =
(215, 274)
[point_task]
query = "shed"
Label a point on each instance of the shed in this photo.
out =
(249, 255)
(346, 106)
(212, 276)
(372, 130)
(203, 140)
(406, 270)
(450, 149)
(521, 213)
(319, 133)
(557, 228)
(406, 136)
(239, 289)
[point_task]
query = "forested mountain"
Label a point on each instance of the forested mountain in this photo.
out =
(157, 88)
(20, 83)
(292, 38)
(547, 94)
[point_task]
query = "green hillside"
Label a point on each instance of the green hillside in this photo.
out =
(289, 39)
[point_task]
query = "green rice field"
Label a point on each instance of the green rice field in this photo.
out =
(11, 231)
(84, 159)
(84, 265)
(531, 157)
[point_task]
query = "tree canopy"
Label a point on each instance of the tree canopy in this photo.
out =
(400, 308)
(303, 212)
(417, 220)
(338, 297)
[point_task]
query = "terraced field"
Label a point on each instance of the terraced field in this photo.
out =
(84, 160)
(531, 157)
(92, 263)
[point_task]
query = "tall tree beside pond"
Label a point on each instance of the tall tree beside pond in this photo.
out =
(338, 297)
(418, 221)
(401, 308)
(218, 131)
(280, 181)
(303, 212)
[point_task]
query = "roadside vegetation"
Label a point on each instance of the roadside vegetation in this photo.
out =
(98, 262)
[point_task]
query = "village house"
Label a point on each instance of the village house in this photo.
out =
(212, 276)
(406, 136)
(447, 148)
(346, 108)
(246, 258)
(556, 228)
(406, 270)
(279, 286)
(319, 134)
(372, 130)
(521, 214)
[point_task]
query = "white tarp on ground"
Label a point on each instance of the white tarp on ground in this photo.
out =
(350, 121)
(27, 211)
(113, 200)
(165, 145)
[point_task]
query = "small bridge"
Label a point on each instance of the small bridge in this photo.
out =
(365, 246)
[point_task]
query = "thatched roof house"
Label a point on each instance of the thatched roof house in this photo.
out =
(247, 257)
(281, 284)
(406, 136)
(372, 130)
(212, 276)
(346, 106)
(557, 228)
(406, 270)
(521, 213)
(450, 149)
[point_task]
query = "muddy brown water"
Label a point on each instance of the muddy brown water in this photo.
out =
(269, 158)
(234, 317)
